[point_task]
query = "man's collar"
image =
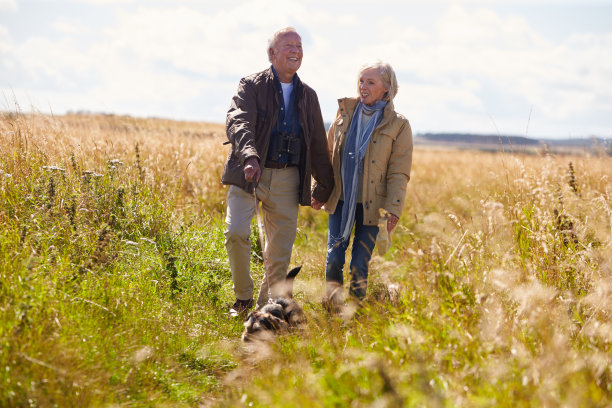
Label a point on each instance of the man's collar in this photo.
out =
(295, 80)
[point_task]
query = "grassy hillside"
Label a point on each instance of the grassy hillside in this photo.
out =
(114, 281)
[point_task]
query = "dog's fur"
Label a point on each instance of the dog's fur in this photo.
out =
(278, 315)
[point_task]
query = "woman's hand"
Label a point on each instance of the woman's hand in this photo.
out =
(316, 204)
(392, 220)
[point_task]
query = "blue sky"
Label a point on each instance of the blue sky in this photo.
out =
(534, 68)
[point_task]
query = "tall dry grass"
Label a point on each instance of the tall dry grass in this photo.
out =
(183, 159)
(496, 291)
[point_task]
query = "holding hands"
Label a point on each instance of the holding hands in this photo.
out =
(316, 204)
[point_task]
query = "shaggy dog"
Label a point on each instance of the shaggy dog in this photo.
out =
(277, 316)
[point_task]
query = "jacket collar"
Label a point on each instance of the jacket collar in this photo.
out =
(273, 76)
(348, 105)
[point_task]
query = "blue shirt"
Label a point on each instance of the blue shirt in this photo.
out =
(287, 118)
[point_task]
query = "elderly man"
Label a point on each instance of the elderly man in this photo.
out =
(278, 140)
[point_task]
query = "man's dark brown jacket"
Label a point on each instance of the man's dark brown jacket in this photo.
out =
(250, 120)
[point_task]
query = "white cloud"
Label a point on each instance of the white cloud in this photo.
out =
(229, 41)
(8, 5)
(466, 67)
(102, 2)
(487, 59)
(68, 27)
(5, 40)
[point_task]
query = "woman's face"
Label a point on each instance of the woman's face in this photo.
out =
(371, 88)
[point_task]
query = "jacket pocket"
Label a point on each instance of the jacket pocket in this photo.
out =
(381, 190)
(389, 131)
(380, 151)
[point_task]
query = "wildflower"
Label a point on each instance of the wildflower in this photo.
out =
(54, 168)
(87, 175)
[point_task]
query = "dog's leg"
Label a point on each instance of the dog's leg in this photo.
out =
(289, 280)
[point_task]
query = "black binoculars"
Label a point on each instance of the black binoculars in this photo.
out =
(285, 143)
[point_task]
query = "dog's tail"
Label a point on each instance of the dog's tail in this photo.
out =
(289, 280)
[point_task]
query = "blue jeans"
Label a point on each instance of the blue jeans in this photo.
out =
(363, 244)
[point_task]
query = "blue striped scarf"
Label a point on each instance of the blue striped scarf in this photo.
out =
(357, 141)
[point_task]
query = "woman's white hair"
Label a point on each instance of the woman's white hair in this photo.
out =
(275, 37)
(387, 74)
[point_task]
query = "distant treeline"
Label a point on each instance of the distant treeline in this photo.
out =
(506, 140)
(478, 139)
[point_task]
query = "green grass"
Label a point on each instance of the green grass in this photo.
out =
(114, 287)
(106, 296)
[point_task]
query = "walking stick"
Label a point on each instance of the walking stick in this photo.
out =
(261, 233)
(265, 282)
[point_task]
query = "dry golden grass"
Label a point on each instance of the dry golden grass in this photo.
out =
(183, 159)
(496, 291)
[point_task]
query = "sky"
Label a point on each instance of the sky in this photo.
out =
(535, 68)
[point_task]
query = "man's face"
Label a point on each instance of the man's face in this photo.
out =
(287, 55)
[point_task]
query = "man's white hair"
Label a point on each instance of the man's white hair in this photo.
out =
(387, 74)
(275, 37)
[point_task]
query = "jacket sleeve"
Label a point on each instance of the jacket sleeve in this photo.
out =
(240, 123)
(398, 170)
(320, 156)
(330, 136)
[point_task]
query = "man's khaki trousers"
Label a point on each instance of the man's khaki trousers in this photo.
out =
(278, 192)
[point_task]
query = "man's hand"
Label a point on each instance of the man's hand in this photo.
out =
(392, 220)
(316, 204)
(252, 171)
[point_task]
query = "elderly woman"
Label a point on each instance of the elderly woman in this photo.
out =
(371, 149)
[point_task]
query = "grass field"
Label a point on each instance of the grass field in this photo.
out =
(114, 281)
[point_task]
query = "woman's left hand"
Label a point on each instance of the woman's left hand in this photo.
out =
(392, 220)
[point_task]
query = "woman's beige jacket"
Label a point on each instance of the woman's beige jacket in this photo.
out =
(386, 165)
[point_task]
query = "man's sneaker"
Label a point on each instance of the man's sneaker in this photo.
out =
(240, 308)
